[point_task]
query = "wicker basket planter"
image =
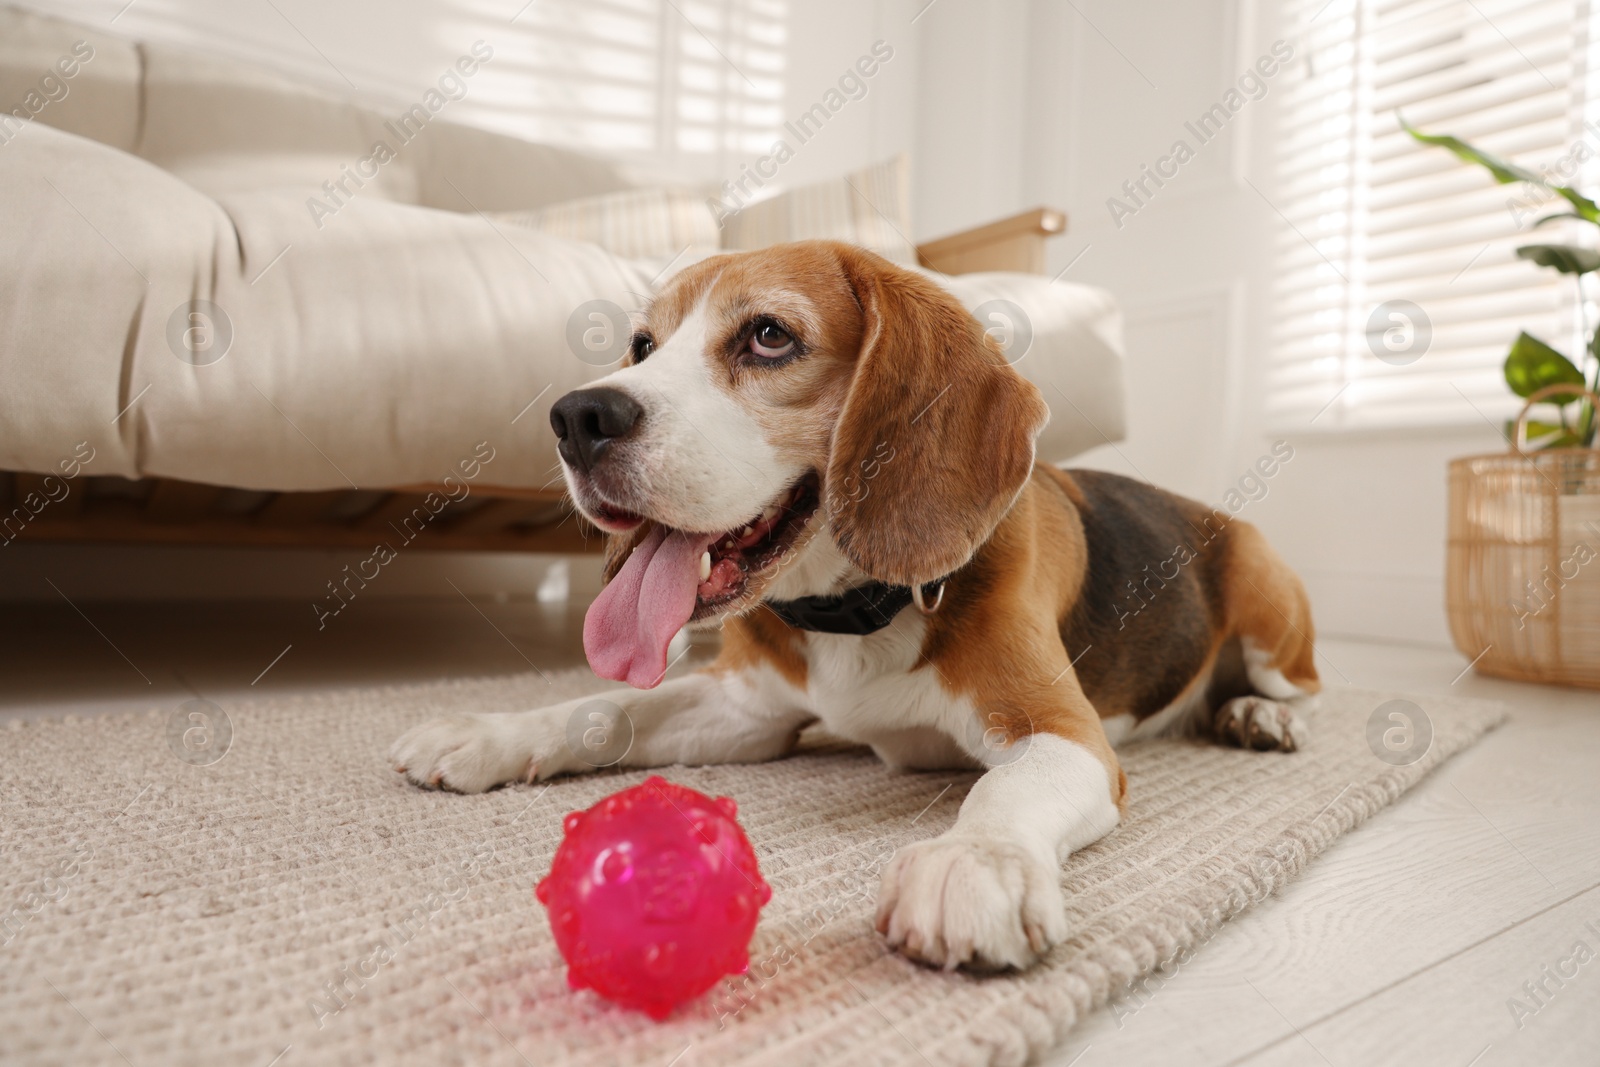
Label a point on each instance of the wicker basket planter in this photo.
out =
(1523, 581)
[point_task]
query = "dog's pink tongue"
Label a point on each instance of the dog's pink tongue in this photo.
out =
(635, 617)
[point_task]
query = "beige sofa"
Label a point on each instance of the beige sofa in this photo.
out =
(156, 198)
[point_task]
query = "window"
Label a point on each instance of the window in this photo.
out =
(1398, 290)
(669, 78)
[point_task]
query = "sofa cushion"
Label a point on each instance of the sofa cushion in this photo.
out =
(231, 128)
(656, 224)
(870, 207)
(461, 168)
(98, 99)
(232, 341)
(227, 127)
(1064, 338)
(375, 351)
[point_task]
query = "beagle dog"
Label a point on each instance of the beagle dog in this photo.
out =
(826, 456)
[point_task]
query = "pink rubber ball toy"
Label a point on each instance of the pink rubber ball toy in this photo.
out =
(653, 896)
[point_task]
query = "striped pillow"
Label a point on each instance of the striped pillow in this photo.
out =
(871, 208)
(633, 224)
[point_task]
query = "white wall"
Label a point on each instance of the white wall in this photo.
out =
(1034, 101)
(825, 38)
(1089, 98)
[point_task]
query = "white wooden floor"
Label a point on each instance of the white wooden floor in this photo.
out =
(1405, 943)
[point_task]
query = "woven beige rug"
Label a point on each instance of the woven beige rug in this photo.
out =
(295, 903)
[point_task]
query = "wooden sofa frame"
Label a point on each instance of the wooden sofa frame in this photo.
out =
(109, 509)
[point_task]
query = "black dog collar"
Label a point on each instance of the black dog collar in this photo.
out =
(866, 609)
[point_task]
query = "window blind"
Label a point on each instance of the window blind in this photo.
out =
(1398, 290)
(666, 77)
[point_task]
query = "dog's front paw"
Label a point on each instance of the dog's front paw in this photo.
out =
(472, 753)
(973, 902)
(1262, 724)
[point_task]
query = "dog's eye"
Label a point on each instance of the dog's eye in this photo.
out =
(641, 346)
(771, 341)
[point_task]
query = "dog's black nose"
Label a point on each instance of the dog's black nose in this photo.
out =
(587, 420)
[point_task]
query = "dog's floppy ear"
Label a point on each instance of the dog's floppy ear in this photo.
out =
(936, 438)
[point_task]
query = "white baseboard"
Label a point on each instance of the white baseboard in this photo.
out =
(1388, 607)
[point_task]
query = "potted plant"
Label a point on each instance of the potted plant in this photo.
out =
(1523, 581)
(1532, 364)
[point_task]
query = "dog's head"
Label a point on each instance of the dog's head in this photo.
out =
(770, 398)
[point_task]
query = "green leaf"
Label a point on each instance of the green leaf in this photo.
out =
(1531, 365)
(1545, 434)
(1587, 209)
(1568, 259)
(1556, 216)
(1505, 172)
